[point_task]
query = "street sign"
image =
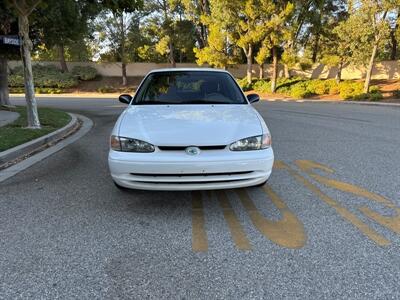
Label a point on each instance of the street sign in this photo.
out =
(10, 40)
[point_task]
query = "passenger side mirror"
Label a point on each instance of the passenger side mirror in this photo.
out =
(125, 98)
(253, 98)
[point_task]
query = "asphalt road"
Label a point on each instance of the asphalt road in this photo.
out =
(325, 227)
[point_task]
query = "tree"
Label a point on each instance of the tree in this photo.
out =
(115, 22)
(24, 9)
(262, 55)
(220, 50)
(276, 31)
(196, 11)
(174, 35)
(338, 50)
(377, 12)
(64, 23)
(371, 27)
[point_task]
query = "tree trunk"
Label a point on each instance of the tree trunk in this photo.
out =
(370, 68)
(171, 55)
(249, 71)
(123, 52)
(393, 50)
(274, 69)
(286, 71)
(315, 49)
(26, 47)
(261, 74)
(124, 77)
(4, 97)
(339, 73)
(61, 55)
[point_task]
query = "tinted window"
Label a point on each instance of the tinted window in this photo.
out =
(189, 87)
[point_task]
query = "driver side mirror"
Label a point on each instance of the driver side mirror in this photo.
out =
(253, 98)
(125, 98)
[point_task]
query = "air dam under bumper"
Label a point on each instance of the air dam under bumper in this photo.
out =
(177, 171)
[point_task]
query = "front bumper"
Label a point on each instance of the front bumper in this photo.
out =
(175, 170)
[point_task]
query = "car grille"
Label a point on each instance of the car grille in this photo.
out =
(182, 148)
(191, 174)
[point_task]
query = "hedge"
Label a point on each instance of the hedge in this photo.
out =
(297, 87)
(43, 77)
(84, 73)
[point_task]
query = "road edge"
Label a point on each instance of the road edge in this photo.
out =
(86, 126)
(383, 104)
(26, 148)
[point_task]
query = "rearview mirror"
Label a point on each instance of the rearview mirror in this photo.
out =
(125, 98)
(253, 98)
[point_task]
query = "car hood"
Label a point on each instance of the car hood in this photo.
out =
(184, 125)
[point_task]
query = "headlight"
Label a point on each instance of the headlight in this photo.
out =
(252, 143)
(123, 144)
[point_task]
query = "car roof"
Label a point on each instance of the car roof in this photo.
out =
(188, 69)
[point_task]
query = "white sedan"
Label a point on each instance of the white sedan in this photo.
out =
(190, 129)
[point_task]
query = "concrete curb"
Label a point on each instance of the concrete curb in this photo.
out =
(81, 96)
(29, 147)
(26, 163)
(385, 104)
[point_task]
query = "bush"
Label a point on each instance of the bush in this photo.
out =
(376, 96)
(373, 89)
(106, 89)
(38, 90)
(332, 86)
(317, 87)
(350, 89)
(299, 90)
(297, 87)
(262, 86)
(15, 80)
(396, 94)
(245, 86)
(43, 77)
(84, 73)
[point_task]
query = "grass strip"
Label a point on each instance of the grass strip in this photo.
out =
(16, 133)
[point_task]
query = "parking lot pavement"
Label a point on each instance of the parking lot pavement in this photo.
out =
(326, 225)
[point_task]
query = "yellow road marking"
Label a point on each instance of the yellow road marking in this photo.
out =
(199, 234)
(392, 223)
(287, 232)
(346, 214)
(236, 229)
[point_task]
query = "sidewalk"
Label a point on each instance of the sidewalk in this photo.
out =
(7, 117)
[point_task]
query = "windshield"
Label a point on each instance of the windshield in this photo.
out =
(189, 87)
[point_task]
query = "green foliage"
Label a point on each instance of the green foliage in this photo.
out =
(349, 90)
(16, 133)
(297, 87)
(84, 73)
(106, 89)
(44, 77)
(245, 85)
(262, 86)
(305, 64)
(300, 90)
(38, 90)
(396, 94)
(375, 96)
(126, 6)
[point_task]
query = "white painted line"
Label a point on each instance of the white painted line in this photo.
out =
(15, 169)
